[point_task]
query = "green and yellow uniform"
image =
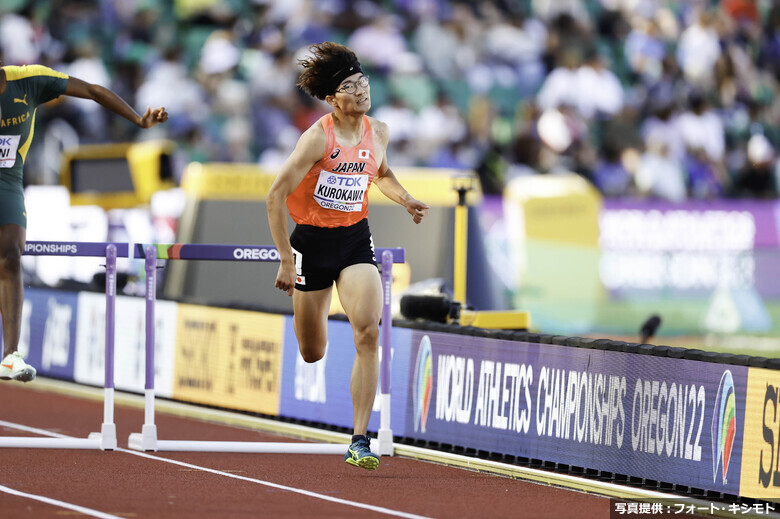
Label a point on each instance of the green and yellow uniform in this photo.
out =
(26, 88)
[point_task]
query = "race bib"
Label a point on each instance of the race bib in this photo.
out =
(8, 146)
(341, 192)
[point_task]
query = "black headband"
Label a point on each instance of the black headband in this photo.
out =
(343, 74)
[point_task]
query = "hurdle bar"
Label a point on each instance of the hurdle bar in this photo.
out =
(106, 438)
(147, 439)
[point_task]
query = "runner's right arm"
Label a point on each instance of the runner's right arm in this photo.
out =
(309, 150)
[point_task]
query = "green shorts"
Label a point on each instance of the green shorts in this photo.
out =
(12, 208)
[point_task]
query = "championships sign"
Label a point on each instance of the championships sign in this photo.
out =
(671, 420)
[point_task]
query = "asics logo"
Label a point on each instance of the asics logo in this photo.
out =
(335, 153)
(22, 100)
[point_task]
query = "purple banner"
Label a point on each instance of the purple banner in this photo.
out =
(658, 418)
(48, 339)
(689, 249)
(219, 252)
(74, 248)
(320, 391)
(762, 215)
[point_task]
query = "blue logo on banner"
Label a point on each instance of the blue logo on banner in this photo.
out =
(423, 384)
(724, 425)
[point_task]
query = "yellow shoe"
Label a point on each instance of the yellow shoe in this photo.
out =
(14, 367)
(359, 454)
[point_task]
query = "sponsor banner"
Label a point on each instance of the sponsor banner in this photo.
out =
(657, 418)
(48, 334)
(75, 248)
(320, 391)
(129, 343)
(228, 358)
(697, 225)
(202, 251)
(761, 462)
(690, 248)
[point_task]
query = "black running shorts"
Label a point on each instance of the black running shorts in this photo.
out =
(321, 253)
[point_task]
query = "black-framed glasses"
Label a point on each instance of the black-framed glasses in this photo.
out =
(351, 87)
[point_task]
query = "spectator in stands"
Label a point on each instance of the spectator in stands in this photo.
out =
(701, 129)
(699, 50)
(610, 175)
(560, 87)
(769, 56)
(448, 46)
(439, 125)
(756, 179)
(515, 45)
(600, 93)
(487, 57)
(645, 49)
(380, 42)
(20, 38)
(659, 175)
(704, 138)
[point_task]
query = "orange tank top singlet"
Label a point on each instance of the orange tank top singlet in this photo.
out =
(334, 193)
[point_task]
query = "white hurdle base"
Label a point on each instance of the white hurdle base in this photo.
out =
(21, 442)
(385, 433)
(385, 441)
(139, 442)
(105, 441)
(146, 440)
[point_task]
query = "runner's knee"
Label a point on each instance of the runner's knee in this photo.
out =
(312, 352)
(367, 337)
(311, 357)
(10, 258)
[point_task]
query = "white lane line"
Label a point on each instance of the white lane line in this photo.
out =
(378, 509)
(34, 430)
(373, 508)
(61, 504)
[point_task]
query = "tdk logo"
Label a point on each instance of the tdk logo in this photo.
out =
(256, 254)
(5, 141)
(346, 181)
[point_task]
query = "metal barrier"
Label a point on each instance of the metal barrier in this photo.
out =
(147, 439)
(106, 438)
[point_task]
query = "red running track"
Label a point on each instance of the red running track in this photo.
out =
(169, 485)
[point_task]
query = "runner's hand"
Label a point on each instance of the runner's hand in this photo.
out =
(417, 209)
(152, 117)
(285, 278)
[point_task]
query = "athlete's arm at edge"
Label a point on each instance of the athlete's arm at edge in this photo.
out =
(389, 185)
(108, 99)
(309, 149)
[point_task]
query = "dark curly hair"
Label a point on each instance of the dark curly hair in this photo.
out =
(330, 65)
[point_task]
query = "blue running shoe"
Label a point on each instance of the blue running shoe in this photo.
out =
(359, 454)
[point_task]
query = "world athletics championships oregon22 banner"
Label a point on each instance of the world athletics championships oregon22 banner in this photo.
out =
(671, 420)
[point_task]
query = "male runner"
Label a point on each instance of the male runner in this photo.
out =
(22, 89)
(324, 184)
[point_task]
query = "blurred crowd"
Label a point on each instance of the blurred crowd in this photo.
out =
(667, 99)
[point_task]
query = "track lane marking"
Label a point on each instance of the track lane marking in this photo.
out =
(378, 509)
(61, 504)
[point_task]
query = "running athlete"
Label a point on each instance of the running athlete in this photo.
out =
(22, 90)
(324, 184)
